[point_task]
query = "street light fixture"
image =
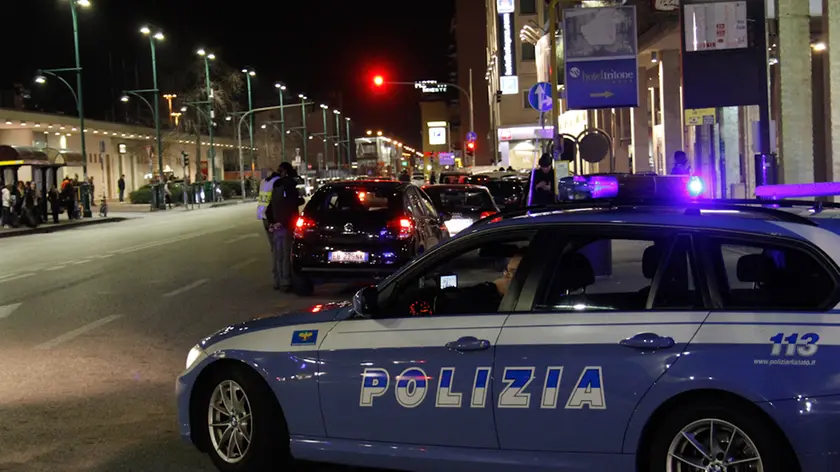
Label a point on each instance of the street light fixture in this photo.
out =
(146, 30)
(280, 89)
(210, 110)
(40, 79)
(248, 74)
(379, 133)
(369, 132)
(124, 98)
(337, 138)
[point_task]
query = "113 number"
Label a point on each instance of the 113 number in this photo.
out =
(805, 345)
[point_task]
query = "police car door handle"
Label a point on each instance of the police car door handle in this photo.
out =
(648, 341)
(468, 343)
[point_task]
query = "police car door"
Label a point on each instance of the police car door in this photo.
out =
(419, 371)
(612, 309)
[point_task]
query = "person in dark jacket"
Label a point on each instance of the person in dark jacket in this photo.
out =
(282, 214)
(404, 177)
(543, 183)
(121, 187)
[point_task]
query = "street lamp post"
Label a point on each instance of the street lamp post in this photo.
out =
(338, 138)
(159, 37)
(303, 118)
(137, 93)
(326, 150)
(77, 96)
(249, 113)
(248, 74)
(210, 108)
(347, 135)
(280, 89)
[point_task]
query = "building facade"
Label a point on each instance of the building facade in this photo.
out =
(113, 149)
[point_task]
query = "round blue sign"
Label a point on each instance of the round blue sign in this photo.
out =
(540, 97)
(471, 136)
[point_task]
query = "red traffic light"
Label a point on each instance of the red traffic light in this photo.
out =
(471, 146)
(378, 80)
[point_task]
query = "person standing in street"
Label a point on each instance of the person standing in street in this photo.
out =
(7, 206)
(121, 187)
(681, 165)
(264, 199)
(543, 190)
(282, 213)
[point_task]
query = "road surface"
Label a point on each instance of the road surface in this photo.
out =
(95, 324)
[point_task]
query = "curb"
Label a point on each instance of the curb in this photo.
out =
(232, 202)
(65, 227)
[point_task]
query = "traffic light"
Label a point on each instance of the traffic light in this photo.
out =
(378, 80)
(186, 158)
(471, 149)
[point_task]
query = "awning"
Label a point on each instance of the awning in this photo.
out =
(22, 156)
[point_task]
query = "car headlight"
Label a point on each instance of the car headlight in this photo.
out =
(196, 354)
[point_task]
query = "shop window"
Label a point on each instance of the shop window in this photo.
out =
(528, 7)
(525, 102)
(529, 52)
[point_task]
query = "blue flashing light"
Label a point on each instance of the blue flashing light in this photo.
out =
(695, 186)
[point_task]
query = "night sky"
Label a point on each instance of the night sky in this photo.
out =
(328, 50)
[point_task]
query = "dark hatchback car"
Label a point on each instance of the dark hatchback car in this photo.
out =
(461, 205)
(362, 228)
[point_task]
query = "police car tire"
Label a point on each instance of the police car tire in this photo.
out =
(269, 448)
(769, 443)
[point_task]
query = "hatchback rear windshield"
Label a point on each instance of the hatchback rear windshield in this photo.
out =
(357, 198)
(459, 199)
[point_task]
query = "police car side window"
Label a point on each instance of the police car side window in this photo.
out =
(769, 277)
(618, 275)
(471, 281)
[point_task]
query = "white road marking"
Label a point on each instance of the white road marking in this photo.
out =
(243, 263)
(186, 288)
(83, 261)
(8, 309)
(50, 269)
(6, 276)
(240, 238)
(70, 335)
(17, 277)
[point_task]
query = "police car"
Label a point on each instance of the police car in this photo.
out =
(590, 336)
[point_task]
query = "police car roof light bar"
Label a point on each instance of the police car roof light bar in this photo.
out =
(691, 207)
(818, 189)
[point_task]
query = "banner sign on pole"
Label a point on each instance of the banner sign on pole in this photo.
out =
(601, 57)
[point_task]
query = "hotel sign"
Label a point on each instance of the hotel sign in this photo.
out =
(508, 80)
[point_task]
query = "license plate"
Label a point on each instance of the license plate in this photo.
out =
(342, 256)
(457, 225)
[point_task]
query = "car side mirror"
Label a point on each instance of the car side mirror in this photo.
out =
(366, 302)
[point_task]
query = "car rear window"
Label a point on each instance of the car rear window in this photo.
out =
(459, 199)
(357, 198)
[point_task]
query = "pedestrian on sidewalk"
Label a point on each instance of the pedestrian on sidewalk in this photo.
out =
(7, 206)
(282, 214)
(121, 187)
(167, 193)
(55, 204)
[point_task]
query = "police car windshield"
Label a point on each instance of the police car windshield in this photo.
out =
(453, 199)
(356, 198)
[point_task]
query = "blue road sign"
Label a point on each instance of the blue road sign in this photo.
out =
(600, 48)
(540, 97)
(471, 136)
(602, 84)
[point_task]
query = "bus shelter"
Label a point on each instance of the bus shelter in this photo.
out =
(43, 163)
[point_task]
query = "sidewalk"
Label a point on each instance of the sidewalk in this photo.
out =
(116, 212)
(63, 224)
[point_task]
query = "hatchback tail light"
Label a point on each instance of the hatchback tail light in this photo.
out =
(403, 227)
(485, 214)
(301, 225)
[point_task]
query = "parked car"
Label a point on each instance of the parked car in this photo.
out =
(358, 228)
(461, 205)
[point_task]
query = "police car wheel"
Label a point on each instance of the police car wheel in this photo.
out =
(717, 438)
(244, 426)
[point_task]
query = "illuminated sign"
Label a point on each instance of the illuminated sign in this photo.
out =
(430, 86)
(508, 81)
(715, 26)
(437, 136)
(436, 124)
(505, 6)
(123, 149)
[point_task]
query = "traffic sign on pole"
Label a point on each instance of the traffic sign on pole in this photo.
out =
(540, 97)
(471, 136)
